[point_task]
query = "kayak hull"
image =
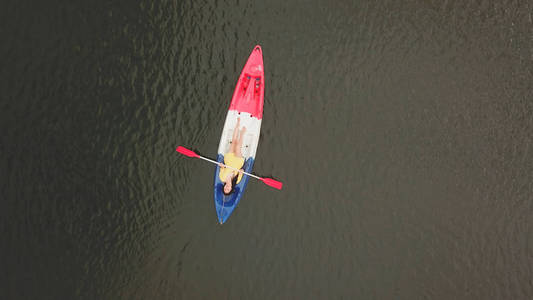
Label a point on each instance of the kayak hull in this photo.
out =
(246, 104)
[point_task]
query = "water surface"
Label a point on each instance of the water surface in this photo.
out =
(402, 133)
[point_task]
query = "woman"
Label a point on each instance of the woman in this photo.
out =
(233, 159)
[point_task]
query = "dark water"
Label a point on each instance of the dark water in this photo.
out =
(403, 133)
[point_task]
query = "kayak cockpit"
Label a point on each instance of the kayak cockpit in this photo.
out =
(225, 205)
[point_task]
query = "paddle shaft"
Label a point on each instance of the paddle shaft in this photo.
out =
(216, 162)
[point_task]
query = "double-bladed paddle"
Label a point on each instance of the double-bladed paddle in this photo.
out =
(268, 181)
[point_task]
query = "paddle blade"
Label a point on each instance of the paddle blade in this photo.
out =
(273, 183)
(187, 152)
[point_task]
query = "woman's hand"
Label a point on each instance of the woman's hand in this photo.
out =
(241, 171)
(221, 165)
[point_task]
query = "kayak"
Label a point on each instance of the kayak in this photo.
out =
(246, 104)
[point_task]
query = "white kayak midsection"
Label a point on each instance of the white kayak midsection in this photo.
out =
(251, 137)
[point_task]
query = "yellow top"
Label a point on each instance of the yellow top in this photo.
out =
(233, 161)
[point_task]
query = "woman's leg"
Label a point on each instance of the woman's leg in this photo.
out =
(235, 137)
(238, 144)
